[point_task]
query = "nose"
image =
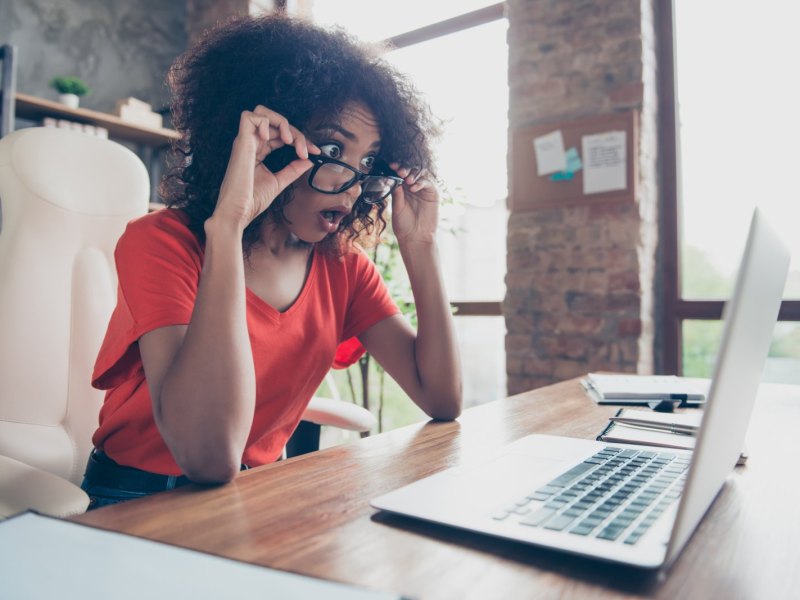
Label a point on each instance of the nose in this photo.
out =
(353, 193)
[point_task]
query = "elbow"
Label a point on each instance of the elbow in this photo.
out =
(446, 407)
(448, 414)
(210, 470)
(210, 455)
(203, 461)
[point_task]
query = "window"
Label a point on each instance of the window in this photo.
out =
(736, 121)
(458, 59)
(377, 21)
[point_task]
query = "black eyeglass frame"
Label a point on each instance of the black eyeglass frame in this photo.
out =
(386, 173)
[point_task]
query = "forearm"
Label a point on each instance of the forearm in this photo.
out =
(435, 349)
(207, 398)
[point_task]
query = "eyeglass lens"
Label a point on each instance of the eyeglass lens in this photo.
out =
(376, 188)
(333, 178)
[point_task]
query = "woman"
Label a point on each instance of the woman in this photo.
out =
(234, 300)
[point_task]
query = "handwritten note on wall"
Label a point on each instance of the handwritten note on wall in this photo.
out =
(549, 150)
(604, 162)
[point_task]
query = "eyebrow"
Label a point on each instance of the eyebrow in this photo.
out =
(335, 127)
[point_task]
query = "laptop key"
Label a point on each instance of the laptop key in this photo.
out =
(540, 516)
(582, 529)
(611, 532)
(559, 523)
(628, 453)
(568, 477)
(539, 496)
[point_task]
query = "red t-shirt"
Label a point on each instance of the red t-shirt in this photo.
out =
(158, 263)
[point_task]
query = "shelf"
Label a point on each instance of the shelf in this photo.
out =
(33, 108)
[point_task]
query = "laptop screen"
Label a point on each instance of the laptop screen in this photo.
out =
(749, 319)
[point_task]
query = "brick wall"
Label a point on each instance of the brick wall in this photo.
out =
(581, 280)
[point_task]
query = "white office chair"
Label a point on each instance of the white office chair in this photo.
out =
(328, 411)
(65, 198)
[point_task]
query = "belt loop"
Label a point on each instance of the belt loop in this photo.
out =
(171, 480)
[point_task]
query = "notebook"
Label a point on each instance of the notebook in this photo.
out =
(629, 504)
(645, 389)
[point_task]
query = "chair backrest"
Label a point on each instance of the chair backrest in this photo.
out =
(65, 198)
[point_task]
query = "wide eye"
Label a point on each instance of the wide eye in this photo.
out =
(331, 150)
(367, 163)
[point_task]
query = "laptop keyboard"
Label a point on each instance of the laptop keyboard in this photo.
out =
(614, 495)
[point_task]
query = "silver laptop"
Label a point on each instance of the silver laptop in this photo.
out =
(629, 504)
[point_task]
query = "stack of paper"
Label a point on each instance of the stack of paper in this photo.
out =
(645, 389)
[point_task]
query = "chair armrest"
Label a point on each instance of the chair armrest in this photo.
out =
(338, 413)
(23, 487)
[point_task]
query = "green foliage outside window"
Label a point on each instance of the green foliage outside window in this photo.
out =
(701, 339)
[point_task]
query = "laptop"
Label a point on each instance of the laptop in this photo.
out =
(634, 505)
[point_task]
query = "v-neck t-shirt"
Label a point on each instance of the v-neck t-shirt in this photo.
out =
(159, 261)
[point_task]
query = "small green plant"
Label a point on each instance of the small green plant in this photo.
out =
(70, 85)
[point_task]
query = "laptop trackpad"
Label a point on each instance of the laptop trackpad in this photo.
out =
(477, 486)
(529, 459)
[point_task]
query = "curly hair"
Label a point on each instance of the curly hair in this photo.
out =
(303, 72)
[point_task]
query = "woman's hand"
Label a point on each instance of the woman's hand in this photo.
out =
(415, 206)
(249, 187)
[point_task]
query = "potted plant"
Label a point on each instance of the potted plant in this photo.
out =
(70, 89)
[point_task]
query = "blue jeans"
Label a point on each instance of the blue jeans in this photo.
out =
(107, 483)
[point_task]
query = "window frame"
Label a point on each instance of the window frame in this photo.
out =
(481, 16)
(676, 309)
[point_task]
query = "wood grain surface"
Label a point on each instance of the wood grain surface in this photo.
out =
(311, 514)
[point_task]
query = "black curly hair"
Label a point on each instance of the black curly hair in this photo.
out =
(303, 72)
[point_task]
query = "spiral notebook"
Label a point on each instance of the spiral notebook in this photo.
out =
(645, 389)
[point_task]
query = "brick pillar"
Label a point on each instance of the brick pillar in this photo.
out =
(580, 280)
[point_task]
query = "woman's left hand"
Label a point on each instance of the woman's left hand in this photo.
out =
(415, 206)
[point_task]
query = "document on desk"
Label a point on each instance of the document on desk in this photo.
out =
(648, 428)
(46, 557)
(645, 389)
(662, 430)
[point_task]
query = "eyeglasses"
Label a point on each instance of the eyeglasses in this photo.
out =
(331, 176)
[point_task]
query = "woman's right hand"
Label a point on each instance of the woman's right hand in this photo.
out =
(248, 187)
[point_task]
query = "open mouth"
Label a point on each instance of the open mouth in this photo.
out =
(331, 215)
(332, 218)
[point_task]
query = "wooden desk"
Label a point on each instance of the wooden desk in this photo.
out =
(311, 515)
